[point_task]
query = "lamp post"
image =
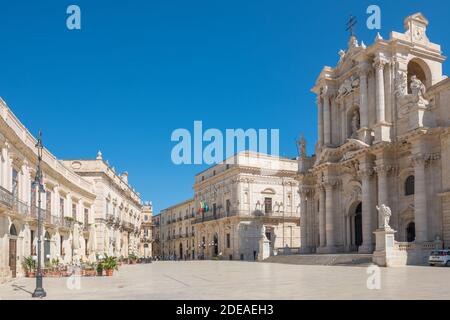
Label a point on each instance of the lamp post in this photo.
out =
(39, 292)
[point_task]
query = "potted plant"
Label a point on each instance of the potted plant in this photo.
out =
(89, 270)
(109, 264)
(30, 267)
(132, 258)
(99, 268)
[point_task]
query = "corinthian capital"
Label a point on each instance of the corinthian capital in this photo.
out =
(383, 169)
(366, 172)
(418, 160)
(364, 69)
(379, 63)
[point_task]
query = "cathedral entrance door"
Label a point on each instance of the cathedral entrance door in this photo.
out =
(358, 226)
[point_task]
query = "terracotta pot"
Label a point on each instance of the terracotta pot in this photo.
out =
(109, 273)
(100, 273)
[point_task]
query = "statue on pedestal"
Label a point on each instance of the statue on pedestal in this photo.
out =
(301, 143)
(384, 217)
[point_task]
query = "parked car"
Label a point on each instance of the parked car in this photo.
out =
(440, 257)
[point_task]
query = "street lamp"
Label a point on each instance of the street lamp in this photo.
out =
(39, 292)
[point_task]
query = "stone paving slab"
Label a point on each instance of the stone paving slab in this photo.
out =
(230, 280)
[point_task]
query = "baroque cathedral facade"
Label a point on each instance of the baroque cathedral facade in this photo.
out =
(384, 139)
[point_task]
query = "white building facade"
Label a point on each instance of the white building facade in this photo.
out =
(117, 207)
(66, 203)
(383, 127)
(252, 199)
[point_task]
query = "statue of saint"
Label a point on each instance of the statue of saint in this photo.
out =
(302, 146)
(355, 122)
(418, 89)
(384, 216)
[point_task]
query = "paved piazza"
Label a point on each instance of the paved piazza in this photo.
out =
(244, 280)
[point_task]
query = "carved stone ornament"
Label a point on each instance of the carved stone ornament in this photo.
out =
(348, 86)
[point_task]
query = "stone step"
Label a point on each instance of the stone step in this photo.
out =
(323, 259)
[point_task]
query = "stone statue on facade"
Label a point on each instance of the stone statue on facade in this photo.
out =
(356, 122)
(301, 143)
(384, 216)
(348, 86)
(418, 90)
(409, 101)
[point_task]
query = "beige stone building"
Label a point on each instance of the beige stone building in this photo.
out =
(147, 230)
(67, 203)
(251, 198)
(87, 208)
(384, 139)
(177, 231)
(117, 207)
(156, 236)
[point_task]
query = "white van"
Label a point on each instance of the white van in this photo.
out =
(440, 257)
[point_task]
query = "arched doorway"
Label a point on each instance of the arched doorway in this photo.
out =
(358, 226)
(13, 250)
(47, 247)
(411, 232)
(216, 245)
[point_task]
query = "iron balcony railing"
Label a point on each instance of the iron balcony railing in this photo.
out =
(21, 208)
(6, 198)
(255, 213)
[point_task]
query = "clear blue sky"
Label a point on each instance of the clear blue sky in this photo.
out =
(140, 69)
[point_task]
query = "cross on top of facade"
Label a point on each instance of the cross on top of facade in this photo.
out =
(351, 25)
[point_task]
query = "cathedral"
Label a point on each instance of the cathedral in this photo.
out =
(383, 142)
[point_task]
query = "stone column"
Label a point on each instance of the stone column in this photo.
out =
(383, 170)
(326, 117)
(329, 217)
(380, 97)
(382, 128)
(322, 217)
(320, 120)
(303, 220)
(420, 198)
(366, 173)
(364, 133)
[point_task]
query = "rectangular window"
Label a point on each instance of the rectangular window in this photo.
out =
(74, 211)
(61, 207)
(214, 209)
(268, 205)
(86, 216)
(61, 246)
(15, 183)
(228, 206)
(228, 241)
(48, 203)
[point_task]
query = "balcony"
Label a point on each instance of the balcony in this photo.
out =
(217, 216)
(21, 208)
(6, 199)
(56, 220)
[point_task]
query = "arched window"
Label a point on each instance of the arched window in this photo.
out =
(13, 230)
(409, 186)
